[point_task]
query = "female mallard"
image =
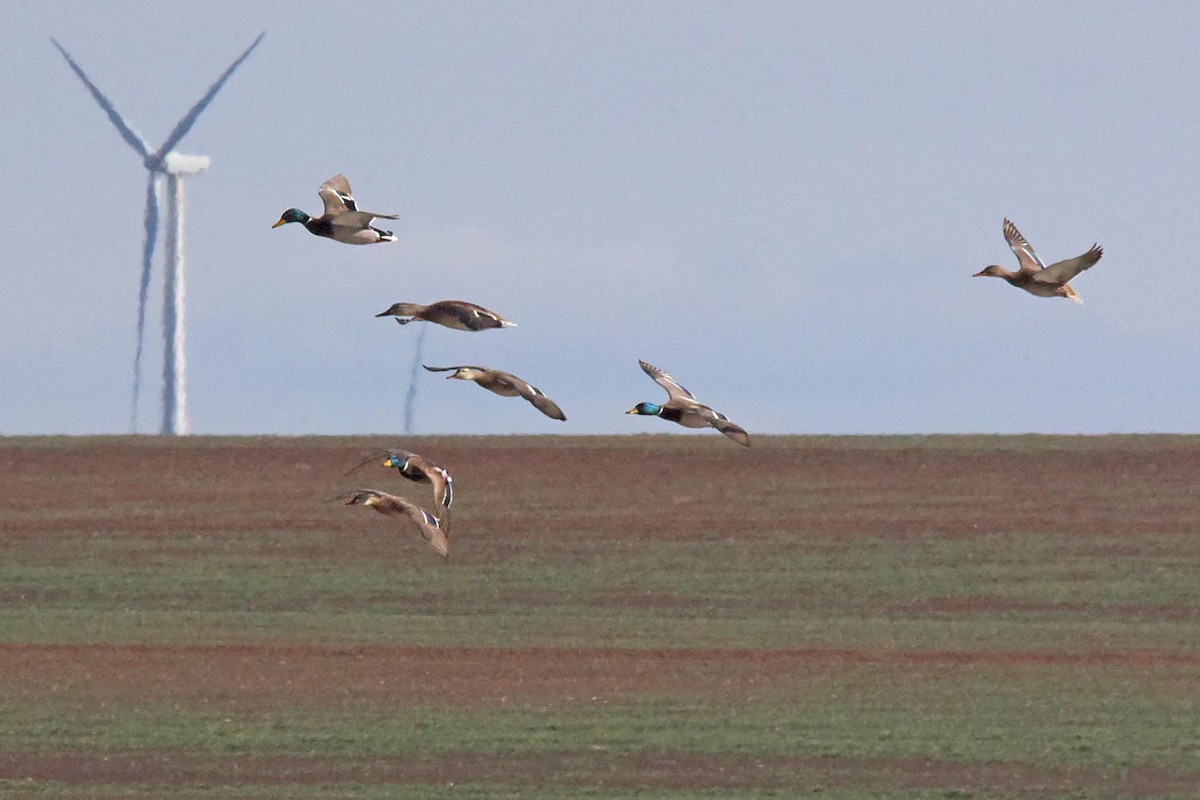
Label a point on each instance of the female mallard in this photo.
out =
(342, 221)
(1034, 276)
(682, 407)
(393, 506)
(457, 314)
(421, 470)
(505, 384)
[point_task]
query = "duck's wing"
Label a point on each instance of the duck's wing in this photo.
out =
(721, 422)
(733, 431)
(356, 219)
(471, 316)
(1062, 271)
(448, 369)
(533, 394)
(486, 318)
(340, 207)
(443, 484)
(430, 527)
(335, 193)
(664, 380)
(368, 459)
(1028, 259)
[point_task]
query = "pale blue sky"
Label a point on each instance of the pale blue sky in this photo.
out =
(781, 204)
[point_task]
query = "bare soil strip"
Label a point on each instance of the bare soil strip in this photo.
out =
(678, 771)
(554, 657)
(247, 677)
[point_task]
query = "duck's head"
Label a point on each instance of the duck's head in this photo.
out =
(364, 497)
(646, 409)
(291, 215)
(396, 460)
(465, 374)
(992, 271)
(394, 310)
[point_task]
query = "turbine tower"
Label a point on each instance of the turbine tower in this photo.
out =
(164, 166)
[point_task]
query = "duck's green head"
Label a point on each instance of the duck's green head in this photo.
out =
(647, 409)
(396, 460)
(291, 215)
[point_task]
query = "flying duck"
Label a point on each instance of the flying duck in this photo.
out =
(1034, 276)
(342, 221)
(390, 505)
(682, 407)
(504, 384)
(457, 314)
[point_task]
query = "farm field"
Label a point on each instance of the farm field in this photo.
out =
(656, 616)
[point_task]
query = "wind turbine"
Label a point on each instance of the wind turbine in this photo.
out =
(165, 166)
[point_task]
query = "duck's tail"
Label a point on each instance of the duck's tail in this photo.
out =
(1072, 296)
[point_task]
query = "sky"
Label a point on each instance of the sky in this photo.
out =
(781, 204)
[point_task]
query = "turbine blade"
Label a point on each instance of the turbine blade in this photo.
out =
(189, 119)
(151, 222)
(127, 133)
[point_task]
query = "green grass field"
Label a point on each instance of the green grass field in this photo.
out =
(652, 616)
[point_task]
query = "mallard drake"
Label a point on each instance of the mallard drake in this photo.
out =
(504, 384)
(390, 505)
(1034, 276)
(419, 469)
(683, 408)
(457, 314)
(342, 221)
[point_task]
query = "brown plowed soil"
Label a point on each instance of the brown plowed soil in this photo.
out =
(654, 488)
(249, 676)
(677, 771)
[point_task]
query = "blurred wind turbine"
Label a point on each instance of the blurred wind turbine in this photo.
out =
(164, 165)
(410, 398)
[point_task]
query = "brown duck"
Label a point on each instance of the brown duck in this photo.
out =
(390, 505)
(457, 314)
(504, 384)
(1034, 276)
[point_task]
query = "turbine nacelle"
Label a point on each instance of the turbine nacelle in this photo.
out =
(180, 164)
